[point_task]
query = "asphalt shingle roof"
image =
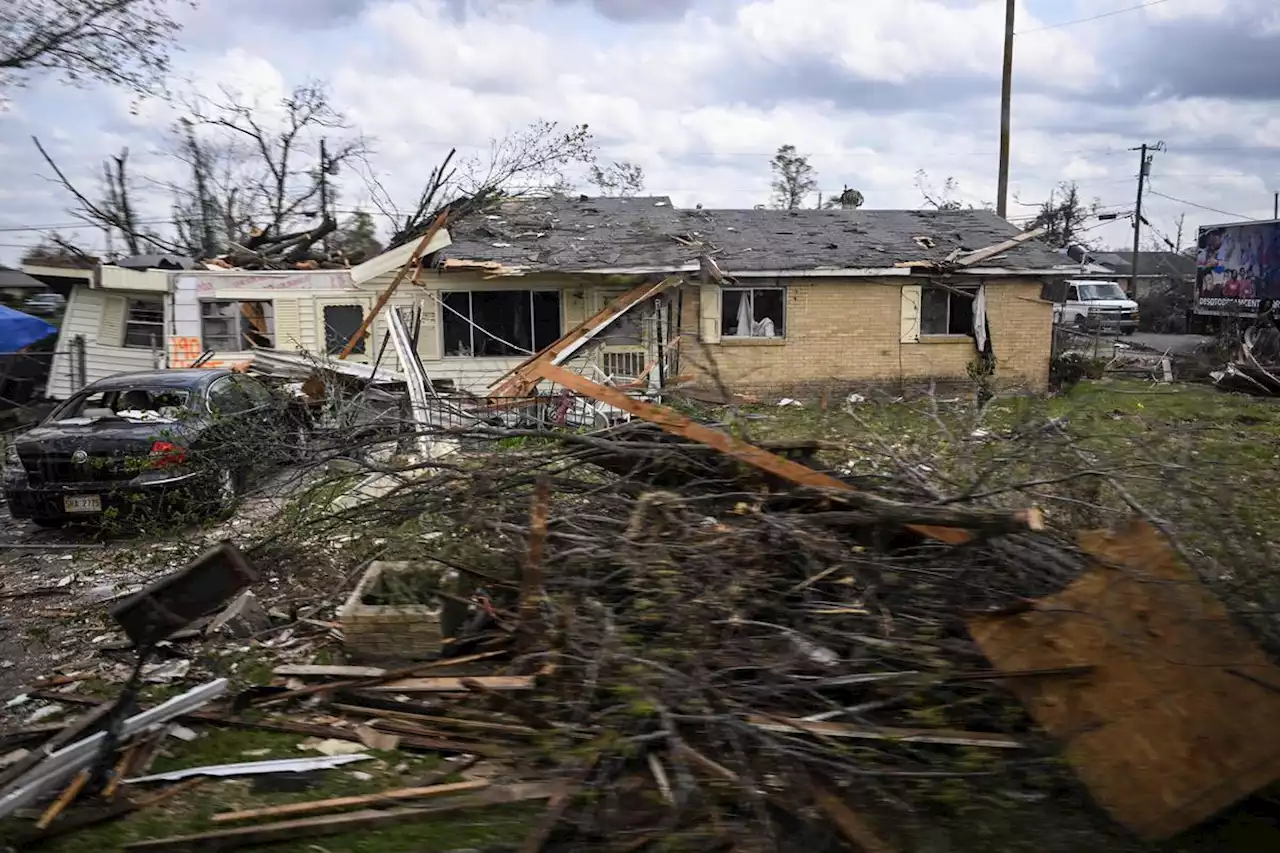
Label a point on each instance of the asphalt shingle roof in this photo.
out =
(576, 234)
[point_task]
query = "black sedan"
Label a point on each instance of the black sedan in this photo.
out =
(167, 438)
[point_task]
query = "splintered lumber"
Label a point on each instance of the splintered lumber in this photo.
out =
(306, 670)
(675, 423)
(521, 379)
(373, 681)
(839, 730)
(452, 684)
(74, 731)
(342, 803)
(314, 827)
(848, 822)
(457, 722)
(386, 295)
(64, 799)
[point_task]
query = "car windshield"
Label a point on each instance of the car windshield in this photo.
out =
(1090, 292)
(136, 405)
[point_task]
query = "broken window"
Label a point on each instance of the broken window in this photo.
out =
(756, 312)
(144, 322)
(947, 310)
(341, 322)
(236, 326)
(490, 323)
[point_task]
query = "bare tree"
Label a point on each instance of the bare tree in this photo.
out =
(255, 186)
(121, 42)
(531, 161)
(114, 209)
(793, 178)
(54, 250)
(938, 199)
(619, 178)
(1062, 215)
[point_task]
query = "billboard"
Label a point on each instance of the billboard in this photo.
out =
(1238, 266)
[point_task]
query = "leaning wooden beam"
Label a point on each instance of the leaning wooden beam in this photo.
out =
(520, 380)
(675, 423)
(247, 836)
(412, 263)
(342, 803)
(991, 251)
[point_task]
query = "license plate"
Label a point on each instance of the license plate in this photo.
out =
(82, 503)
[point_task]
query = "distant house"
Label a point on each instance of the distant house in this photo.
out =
(16, 285)
(757, 299)
(1156, 270)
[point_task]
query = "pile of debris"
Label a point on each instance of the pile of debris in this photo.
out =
(682, 640)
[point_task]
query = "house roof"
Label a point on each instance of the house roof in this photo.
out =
(11, 279)
(648, 233)
(1149, 263)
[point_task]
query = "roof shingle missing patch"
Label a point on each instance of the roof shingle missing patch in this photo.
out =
(566, 234)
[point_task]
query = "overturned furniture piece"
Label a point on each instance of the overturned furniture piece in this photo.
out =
(1176, 719)
(396, 611)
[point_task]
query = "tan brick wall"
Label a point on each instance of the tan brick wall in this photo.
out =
(849, 330)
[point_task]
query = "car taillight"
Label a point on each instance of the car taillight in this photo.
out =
(166, 453)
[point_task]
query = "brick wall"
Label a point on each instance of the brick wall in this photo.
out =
(850, 331)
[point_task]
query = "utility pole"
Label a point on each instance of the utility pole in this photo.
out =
(1006, 93)
(324, 190)
(1275, 206)
(1144, 168)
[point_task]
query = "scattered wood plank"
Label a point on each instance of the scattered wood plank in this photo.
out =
(458, 722)
(451, 684)
(314, 827)
(319, 671)
(78, 728)
(849, 823)
(363, 683)
(840, 730)
(64, 799)
(341, 803)
(84, 819)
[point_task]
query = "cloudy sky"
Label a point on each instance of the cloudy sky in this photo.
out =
(701, 92)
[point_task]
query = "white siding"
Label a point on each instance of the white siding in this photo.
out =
(87, 315)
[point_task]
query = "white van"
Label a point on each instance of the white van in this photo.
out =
(1100, 305)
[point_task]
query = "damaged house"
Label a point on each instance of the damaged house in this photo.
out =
(752, 299)
(766, 299)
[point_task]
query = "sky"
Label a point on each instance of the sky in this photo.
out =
(700, 93)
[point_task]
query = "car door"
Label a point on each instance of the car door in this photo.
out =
(231, 439)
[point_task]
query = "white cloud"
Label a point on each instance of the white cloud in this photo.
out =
(872, 90)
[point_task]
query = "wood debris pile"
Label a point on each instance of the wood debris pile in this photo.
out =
(681, 647)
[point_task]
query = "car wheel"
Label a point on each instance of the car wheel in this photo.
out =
(51, 523)
(1127, 332)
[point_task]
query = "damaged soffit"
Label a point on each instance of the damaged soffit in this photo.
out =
(646, 233)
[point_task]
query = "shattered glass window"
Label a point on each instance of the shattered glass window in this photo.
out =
(756, 312)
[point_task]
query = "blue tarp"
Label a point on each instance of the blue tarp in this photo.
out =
(19, 331)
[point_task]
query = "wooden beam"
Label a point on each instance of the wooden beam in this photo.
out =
(675, 423)
(991, 251)
(450, 684)
(289, 830)
(840, 730)
(395, 283)
(341, 803)
(521, 379)
(851, 826)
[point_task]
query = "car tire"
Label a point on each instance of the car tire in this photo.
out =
(1127, 332)
(49, 523)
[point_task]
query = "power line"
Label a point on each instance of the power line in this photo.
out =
(1200, 206)
(1092, 17)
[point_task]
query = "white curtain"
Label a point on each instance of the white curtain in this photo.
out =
(980, 318)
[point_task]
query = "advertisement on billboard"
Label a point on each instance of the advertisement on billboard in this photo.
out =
(1238, 266)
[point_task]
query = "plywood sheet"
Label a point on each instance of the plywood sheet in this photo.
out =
(1174, 722)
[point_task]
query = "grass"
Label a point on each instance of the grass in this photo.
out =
(191, 812)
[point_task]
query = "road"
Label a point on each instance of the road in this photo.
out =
(1176, 344)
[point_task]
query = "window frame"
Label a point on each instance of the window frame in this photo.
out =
(447, 311)
(950, 290)
(141, 325)
(240, 344)
(361, 347)
(786, 324)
